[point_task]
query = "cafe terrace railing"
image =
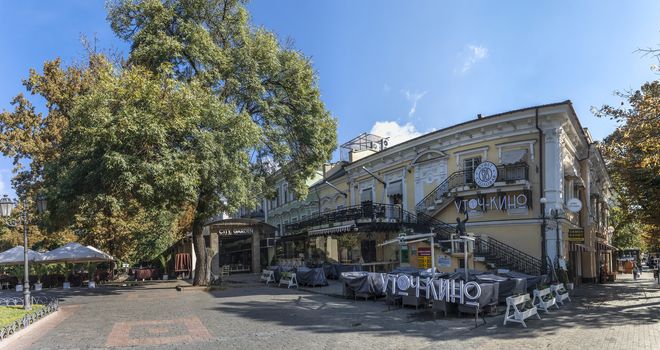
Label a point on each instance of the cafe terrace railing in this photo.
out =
(374, 213)
(505, 173)
(48, 305)
(506, 256)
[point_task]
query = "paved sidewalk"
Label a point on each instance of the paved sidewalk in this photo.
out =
(621, 315)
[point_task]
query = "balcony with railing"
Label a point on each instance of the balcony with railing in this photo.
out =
(506, 174)
(372, 213)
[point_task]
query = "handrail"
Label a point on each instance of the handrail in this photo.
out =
(510, 256)
(373, 212)
(505, 173)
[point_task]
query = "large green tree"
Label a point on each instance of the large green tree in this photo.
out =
(632, 153)
(65, 154)
(263, 107)
(190, 125)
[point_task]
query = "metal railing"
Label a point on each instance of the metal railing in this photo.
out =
(506, 256)
(373, 213)
(42, 306)
(505, 173)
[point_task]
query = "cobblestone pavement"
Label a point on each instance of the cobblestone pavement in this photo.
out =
(621, 315)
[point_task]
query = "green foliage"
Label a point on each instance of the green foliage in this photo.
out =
(91, 268)
(632, 153)
(205, 108)
(18, 271)
(164, 260)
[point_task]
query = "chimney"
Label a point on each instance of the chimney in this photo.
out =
(479, 116)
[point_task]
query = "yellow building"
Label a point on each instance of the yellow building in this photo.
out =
(526, 179)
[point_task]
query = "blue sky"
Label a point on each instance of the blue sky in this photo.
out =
(400, 67)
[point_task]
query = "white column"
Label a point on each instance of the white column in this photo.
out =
(553, 178)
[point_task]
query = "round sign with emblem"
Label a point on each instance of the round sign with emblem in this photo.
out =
(485, 174)
(574, 205)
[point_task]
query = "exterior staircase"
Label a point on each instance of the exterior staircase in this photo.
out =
(505, 256)
(441, 196)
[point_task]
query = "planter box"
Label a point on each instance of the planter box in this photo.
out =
(67, 285)
(91, 284)
(37, 286)
(165, 277)
(19, 287)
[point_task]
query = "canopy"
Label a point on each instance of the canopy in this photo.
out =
(75, 253)
(14, 256)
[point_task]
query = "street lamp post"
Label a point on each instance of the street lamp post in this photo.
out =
(555, 214)
(6, 208)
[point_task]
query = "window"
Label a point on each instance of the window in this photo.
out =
(366, 195)
(285, 189)
(469, 165)
(395, 192)
(512, 156)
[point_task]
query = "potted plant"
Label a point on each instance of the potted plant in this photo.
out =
(40, 270)
(66, 284)
(91, 269)
(17, 271)
(164, 263)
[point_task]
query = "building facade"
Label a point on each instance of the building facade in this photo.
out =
(530, 182)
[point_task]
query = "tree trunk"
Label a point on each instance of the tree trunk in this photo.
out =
(200, 252)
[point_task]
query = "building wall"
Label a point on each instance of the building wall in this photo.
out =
(572, 169)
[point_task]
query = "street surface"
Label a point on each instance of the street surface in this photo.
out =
(621, 315)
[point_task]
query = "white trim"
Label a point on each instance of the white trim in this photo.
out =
(474, 151)
(530, 143)
(440, 154)
(329, 230)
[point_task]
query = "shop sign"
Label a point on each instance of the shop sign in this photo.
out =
(424, 251)
(574, 205)
(444, 261)
(424, 262)
(494, 202)
(485, 174)
(451, 291)
(576, 235)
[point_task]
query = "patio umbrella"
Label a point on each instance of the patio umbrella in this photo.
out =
(75, 253)
(14, 256)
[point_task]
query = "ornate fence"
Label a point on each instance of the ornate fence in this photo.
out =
(49, 305)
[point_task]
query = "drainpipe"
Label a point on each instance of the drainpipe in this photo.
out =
(544, 253)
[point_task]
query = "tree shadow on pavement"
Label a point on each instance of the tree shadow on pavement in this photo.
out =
(592, 307)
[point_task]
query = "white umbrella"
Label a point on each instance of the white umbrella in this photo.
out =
(75, 253)
(14, 256)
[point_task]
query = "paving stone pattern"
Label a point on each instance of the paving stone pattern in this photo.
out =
(621, 315)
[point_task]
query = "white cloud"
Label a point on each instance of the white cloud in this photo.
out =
(413, 97)
(396, 132)
(474, 55)
(5, 178)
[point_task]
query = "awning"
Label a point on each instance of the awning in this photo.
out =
(395, 188)
(331, 230)
(75, 253)
(605, 246)
(14, 256)
(578, 247)
(365, 196)
(290, 238)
